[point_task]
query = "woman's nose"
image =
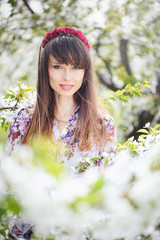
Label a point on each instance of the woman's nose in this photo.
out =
(67, 74)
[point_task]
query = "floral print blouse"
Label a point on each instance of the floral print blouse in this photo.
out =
(72, 156)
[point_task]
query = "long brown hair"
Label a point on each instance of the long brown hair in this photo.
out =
(67, 49)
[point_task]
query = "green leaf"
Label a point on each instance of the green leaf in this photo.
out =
(143, 131)
(153, 130)
(28, 89)
(157, 126)
(126, 143)
(146, 84)
(93, 198)
(133, 146)
(110, 101)
(142, 136)
(13, 3)
(50, 238)
(94, 159)
(13, 204)
(9, 90)
(98, 185)
(111, 98)
(9, 96)
(19, 83)
(2, 232)
(3, 212)
(86, 155)
(106, 160)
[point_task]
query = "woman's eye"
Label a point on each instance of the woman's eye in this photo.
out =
(56, 67)
(76, 67)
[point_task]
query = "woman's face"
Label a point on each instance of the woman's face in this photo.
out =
(64, 79)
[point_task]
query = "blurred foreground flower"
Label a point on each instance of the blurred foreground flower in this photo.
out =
(122, 202)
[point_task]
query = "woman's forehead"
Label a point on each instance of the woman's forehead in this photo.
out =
(64, 56)
(54, 60)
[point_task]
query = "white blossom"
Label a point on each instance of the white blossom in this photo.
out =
(147, 125)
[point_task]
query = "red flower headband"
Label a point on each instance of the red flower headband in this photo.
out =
(66, 31)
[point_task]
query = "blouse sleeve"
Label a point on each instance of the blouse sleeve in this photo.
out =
(17, 130)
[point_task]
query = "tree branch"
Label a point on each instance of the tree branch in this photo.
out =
(123, 47)
(104, 60)
(109, 84)
(11, 108)
(158, 82)
(155, 19)
(106, 64)
(27, 5)
(107, 81)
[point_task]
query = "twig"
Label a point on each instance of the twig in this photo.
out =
(106, 64)
(107, 83)
(158, 82)
(11, 108)
(29, 8)
(123, 47)
(104, 60)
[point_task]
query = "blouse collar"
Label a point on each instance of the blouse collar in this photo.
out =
(70, 125)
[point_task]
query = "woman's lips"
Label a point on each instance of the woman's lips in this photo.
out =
(66, 86)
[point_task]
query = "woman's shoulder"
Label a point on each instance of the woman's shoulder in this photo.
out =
(18, 127)
(24, 113)
(21, 120)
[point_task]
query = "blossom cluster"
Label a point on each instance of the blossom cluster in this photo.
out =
(149, 135)
(15, 98)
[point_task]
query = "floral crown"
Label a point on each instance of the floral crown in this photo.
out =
(65, 31)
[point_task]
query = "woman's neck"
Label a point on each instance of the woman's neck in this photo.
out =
(65, 107)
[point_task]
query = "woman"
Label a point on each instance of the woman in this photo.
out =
(66, 108)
